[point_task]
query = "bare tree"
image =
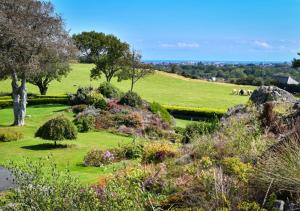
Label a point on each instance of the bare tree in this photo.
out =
(27, 29)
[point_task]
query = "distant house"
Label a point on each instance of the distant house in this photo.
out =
(288, 80)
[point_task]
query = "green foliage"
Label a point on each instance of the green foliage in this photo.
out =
(157, 152)
(153, 132)
(96, 100)
(57, 129)
(235, 167)
(85, 123)
(161, 111)
(250, 206)
(194, 112)
(131, 99)
(41, 186)
(109, 91)
(8, 135)
(36, 100)
(131, 151)
(196, 129)
(98, 158)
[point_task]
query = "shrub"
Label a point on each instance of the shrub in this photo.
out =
(98, 158)
(133, 119)
(235, 167)
(179, 130)
(153, 132)
(184, 111)
(85, 123)
(81, 96)
(42, 186)
(7, 135)
(158, 152)
(79, 108)
(131, 99)
(57, 129)
(109, 91)
(131, 151)
(161, 111)
(96, 100)
(197, 129)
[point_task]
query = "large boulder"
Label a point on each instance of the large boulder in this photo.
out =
(271, 93)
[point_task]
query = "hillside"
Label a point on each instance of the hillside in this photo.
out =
(161, 87)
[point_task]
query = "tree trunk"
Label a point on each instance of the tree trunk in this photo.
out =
(132, 84)
(43, 89)
(19, 100)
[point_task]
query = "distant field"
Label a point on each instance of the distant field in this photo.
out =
(161, 87)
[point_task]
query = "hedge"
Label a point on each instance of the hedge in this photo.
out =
(36, 100)
(194, 112)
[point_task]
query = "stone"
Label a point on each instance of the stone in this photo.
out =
(271, 93)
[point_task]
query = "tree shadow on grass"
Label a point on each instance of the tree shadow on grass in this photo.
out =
(45, 147)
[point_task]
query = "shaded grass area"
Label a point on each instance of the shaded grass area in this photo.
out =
(69, 153)
(161, 87)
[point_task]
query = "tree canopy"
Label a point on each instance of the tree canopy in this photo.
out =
(28, 29)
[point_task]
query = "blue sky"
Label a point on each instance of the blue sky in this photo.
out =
(227, 30)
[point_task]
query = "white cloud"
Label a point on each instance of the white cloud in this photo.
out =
(180, 45)
(262, 44)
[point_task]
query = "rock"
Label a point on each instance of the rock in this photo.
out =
(239, 109)
(271, 93)
(279, 205)
(6, 180)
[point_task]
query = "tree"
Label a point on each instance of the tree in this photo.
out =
(54, 63)
(296, 62)
(135, 69)
(27, 29)
(107, 52)
(91, 45)
(112, 59)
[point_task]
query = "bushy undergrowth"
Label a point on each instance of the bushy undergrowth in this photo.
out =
(109, 91)
(88, 96)
(8, 135)
(131, 99)
(157, 152)
(161, 111)
(41, 186)
(85, 123)
(197, 129)
(57, 129)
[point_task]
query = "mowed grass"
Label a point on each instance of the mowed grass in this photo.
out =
(161, 87)
(70, 157)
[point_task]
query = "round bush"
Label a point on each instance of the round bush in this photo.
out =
(131, 99)
(161, 111)
(57, 129)
(109, 91)
(96, 100)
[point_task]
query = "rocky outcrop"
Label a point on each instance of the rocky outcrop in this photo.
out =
(271, 93)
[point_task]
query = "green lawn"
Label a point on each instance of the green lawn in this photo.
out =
(161, 87)
(72, 156)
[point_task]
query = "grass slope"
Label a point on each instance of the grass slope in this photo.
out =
(70, 157)
(161, 87)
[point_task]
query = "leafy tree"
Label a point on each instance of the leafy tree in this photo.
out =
(296, 62)
(107, 52)
(54, 64)
(28, 28)
(135, 69)
(91, 45)
(112, 60)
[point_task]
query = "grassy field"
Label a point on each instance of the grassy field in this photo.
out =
(161, 87)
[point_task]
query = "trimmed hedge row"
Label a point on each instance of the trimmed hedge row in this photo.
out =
(6, 102)
(194, 112)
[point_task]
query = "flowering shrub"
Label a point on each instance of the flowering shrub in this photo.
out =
(131, 99)
(98, 158)
(79, 108)
(157, 152)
